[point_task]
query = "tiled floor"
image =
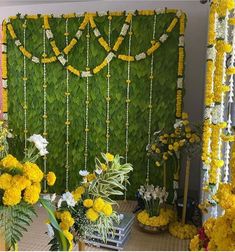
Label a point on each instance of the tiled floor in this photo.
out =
(36, 239)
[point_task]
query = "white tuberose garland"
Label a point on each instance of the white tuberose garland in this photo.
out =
(44, 107)
(128, 81)
(150, 99)
(87, 98)
(25, 90)
(67, 94)
(108, 95)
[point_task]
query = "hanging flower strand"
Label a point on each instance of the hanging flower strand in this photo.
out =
(150, 99)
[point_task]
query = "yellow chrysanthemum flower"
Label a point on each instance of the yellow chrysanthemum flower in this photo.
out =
(11, 162)
(20, 182)
(32, 172)
(88, 203)
(67, 218)
(31, 194)
(5, 181)
(109, 157)
(90, 177)
(92, 215)
(107, 209)
(51, 178)
(98, 204)
(11, 197)
(104, 167)
(77, 194)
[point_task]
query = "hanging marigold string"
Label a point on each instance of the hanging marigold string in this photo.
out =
(151, 77)
(4, 70)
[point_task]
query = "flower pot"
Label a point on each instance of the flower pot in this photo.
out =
(81, 246)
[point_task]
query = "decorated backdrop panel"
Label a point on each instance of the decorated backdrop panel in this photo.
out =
(93, 83)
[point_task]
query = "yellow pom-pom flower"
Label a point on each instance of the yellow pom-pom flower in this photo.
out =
(20, 182)
(5, 181)
(32, 193)
(51, 178)
(104, 167)
(109, 157)
(32, 172)
(92, 215)
(98, 204)
(88, 203)
(67, 218)
(11, 197)
(90, 177)
(107, 209)
(11, 162)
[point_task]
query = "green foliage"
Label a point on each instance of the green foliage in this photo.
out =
(59, 242)
(164, 92)
(14, 220)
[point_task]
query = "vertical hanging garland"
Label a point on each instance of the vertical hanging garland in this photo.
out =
(128, 82)
(108, 91)
(216, 96)
(87, 98)
(150, 99)
(44, 106)
(4, 69)
(228, 137)
(67, 122)
(179, 92)
(25, 106)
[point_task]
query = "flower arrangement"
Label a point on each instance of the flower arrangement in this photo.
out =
(185, 137)
(20, 188)
(89, 208)
(154, 215)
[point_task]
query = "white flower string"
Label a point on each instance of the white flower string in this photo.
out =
(108, 92)
(150, 99)
(44, 108)
(25, 90)
(128, 81)
(87, 98)
(230, 100)
(67, 122)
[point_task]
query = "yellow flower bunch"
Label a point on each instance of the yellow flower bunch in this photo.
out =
(20, 182)
(205, 142)
(181, 61)
(100, 67)
(104, 44)
(154, 221)
(32, 172)
(5, 181)
(107, 209)
(32, 193)
(88, 203)
(67, 220)
(26, 53)
(69, 47)
(92, 215)
(118, 43)
(90, 177)
(98, 204)
(11, 196)
(186, 231)
(48, 60)
(78, 192)
(11, 162)
(51, 178)
(195, 243)
(109, 157)
(126, 57)
(4, 65)
(172, 25)
(182, 24)
(222, 6)
(226, 196)
(179, 97)
(73, 70)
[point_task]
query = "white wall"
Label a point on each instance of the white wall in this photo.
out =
(196, 36)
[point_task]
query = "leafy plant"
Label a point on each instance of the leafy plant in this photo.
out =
(14, 220)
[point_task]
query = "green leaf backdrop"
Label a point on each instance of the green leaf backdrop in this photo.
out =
(164, 96)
